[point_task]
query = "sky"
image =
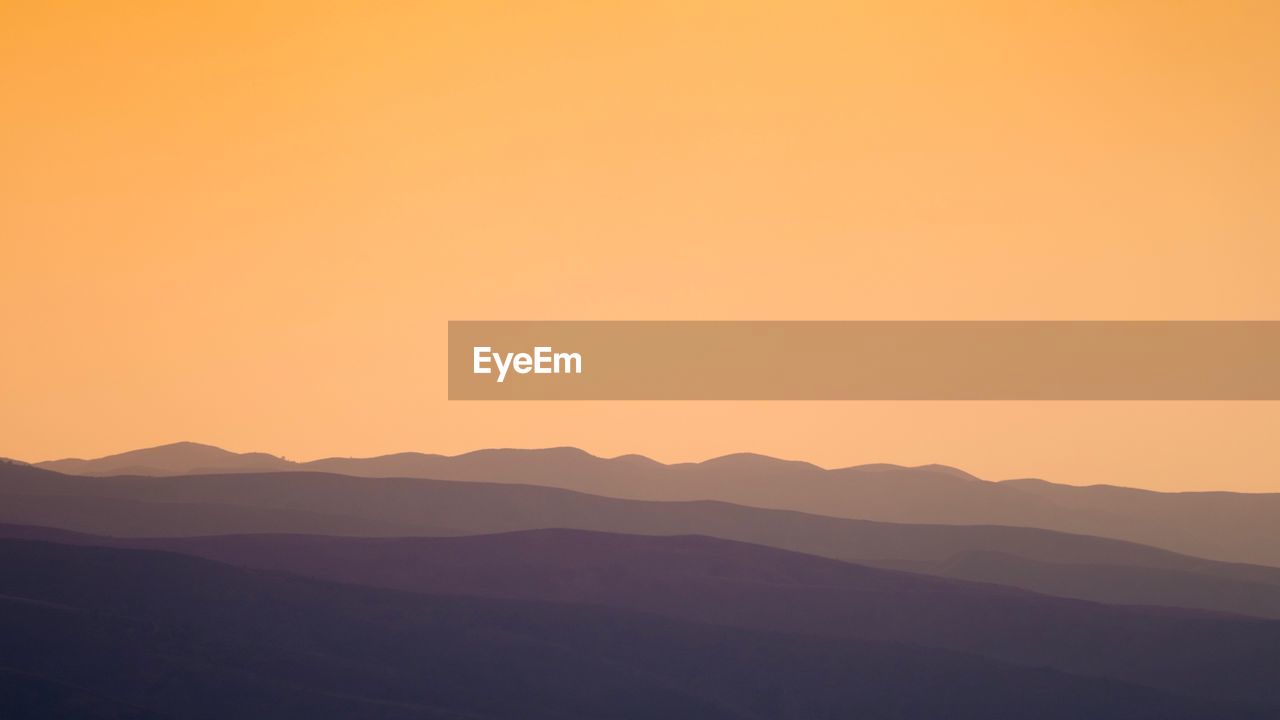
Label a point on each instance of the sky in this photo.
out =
(247, 223)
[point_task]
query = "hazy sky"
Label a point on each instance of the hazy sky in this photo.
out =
(247, 223)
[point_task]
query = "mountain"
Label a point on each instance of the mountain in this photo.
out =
(23, 695)
(1234, 527)
(177, 636)
(178, 458)
(327, 504)
(708, 580)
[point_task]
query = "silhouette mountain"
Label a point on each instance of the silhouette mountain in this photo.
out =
(178, 636)
(716, 581)
(316, 503)
(178, 458)
(1235, 527)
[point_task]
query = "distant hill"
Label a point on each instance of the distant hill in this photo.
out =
(1235, 527)
(179, 458)
(327, 504)
(95, 630)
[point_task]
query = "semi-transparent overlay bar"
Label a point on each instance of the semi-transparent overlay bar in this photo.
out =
(864, 360)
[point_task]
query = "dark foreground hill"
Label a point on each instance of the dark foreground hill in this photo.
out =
(326, 504)
(102, 632)
(716, 581)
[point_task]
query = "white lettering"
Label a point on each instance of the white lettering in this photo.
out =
(543, 361)
(479, 358)
(575, 358)
(502, 366)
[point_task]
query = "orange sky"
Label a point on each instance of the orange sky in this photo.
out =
(247, 223)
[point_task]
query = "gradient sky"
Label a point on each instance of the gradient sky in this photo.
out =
(247, 223)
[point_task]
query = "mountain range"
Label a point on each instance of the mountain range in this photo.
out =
(1046, 561)
(94, 632)
(708, 580)
(189, 582)
(1235, 527)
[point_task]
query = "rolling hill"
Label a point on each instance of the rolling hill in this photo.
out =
(325, 504)
(96, 629)
(1234, 527)
(721, 582)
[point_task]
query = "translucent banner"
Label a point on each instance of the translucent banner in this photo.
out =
(864, 360)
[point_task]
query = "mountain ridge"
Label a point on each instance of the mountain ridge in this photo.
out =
(232, 642)
(328, 504)
(1234, 527)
